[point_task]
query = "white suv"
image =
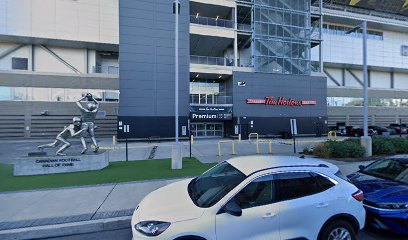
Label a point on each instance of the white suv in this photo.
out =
(255, 197)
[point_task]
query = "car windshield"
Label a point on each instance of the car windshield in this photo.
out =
(393, 170)
(207, 189)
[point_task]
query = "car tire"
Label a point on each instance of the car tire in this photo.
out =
(356, 135)
(337, 228)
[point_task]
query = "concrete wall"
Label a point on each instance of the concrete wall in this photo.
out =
(40, 59)
(146, 58)
(346, 49)
(377, 79)
(270, 119)
(85, 20)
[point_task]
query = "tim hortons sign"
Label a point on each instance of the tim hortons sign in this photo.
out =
(281, 101)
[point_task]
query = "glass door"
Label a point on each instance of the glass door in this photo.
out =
(207, 129)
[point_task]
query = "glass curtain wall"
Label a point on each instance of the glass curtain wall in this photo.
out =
(208, 92)
(281, 36)
(55, 94)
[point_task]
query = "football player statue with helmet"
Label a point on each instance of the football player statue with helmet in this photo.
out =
(88, 115)
(71, 130)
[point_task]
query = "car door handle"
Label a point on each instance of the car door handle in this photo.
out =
(269, 215)
(322, 205)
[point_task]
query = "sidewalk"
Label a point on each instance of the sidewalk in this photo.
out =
(27, 209)
(55, 206)
(206, 150)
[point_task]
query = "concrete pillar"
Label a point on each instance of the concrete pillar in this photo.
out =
(235, 36)
(27, 123)
(176, 157)
(32, 57)
(366, 143)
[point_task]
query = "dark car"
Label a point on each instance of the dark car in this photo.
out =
(381, 130)
(358, 132)
(399, 129)
(385, 187)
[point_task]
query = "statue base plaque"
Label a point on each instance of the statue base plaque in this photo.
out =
(25, 166)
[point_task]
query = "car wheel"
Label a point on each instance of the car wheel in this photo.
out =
(356, 135)
(337, 230)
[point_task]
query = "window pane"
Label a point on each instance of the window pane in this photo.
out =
(322, 183)
(109, 96)
(5, 93)
(73, 95)
(257, 193)
(296, 185)
(41, 94)
(19, 63)
(57, 94)
(20, 94)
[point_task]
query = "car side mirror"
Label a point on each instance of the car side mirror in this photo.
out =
(361, 167)
(232, 208)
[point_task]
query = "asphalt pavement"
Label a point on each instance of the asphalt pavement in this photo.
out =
(126, 234)
(59, 207)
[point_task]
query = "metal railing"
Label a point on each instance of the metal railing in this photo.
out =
(212, 21)
(219, 61)
(245, 62)
(210, 99)
(105, 69)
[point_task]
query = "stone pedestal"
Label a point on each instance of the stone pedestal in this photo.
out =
(24, 166)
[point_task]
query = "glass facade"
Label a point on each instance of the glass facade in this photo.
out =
(208, 92)
(207, 129)
(55, 94)
(281, 36)
(372, 102)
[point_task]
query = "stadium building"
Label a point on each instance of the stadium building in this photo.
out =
(244, 66)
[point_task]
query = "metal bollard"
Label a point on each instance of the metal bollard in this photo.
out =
(270, 147)
(219, 149)
(114, 142)
(257, 147)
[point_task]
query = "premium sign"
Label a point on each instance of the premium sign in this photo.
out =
(210, 113)
(281, 101)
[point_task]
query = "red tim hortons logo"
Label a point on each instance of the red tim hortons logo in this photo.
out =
(281, 101)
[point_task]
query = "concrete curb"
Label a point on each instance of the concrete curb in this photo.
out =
(66, 229)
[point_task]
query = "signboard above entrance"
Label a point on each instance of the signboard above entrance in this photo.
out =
(200, 113)
(281, 101)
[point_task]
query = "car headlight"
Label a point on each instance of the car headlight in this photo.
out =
(394, 206)
(152, 228)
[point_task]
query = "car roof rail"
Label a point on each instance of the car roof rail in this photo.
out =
(321, 165)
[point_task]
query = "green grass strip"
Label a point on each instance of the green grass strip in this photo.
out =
(116, 172)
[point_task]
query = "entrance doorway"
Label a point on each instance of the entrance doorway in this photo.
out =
(207, 129)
